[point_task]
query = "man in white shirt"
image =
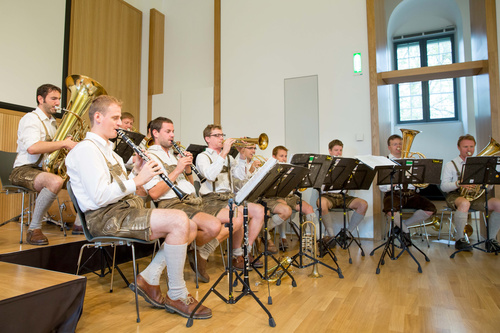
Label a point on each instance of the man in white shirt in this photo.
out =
(450, 183)
(220, 169)
(105, 194)
(34, 139)
(127, 121)
(410, 198)
(334, 199)
(178, 169)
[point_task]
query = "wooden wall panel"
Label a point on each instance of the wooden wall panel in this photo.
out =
(105, 44)
(156, 56)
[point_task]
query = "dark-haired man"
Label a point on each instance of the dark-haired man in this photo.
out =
(34, 139)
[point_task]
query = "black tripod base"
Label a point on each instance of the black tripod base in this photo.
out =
(489, 247)
(315, 261)
(344, 239)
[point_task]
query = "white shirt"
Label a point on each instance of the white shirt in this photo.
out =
(211, 170)
(31, 131)
(159, 155)
(89, 174)
(387, 188)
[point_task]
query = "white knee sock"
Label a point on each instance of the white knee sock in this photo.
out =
(356, 219)
(416, 218)
(328, 223)
(494, 222)
(43, 201)
(275, 221)
(460, 220)
(152, 273)
(175, 257)
(208, 248)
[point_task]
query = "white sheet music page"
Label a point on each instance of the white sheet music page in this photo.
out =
(375, 161)
(254, 181)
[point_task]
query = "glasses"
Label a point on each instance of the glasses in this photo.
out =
(219, 135)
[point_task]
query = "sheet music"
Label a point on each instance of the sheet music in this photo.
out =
(375, 161)
(254, 181)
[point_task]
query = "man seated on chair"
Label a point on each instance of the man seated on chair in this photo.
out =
(292, 200)
(456, 200)
(219, 169)
(34, 139)
(334, 200)
(178, 169)
(106, 196)
(278, 209)
(127, 121)
(409, 197)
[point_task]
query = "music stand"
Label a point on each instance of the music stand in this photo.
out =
(123, 149)
(359, 177)
(482, 170)
(410, 171)
(318, 165)
(278, 183)
(241, 198)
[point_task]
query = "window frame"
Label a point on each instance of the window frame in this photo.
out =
(422, 40)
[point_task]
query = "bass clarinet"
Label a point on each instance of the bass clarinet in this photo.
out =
(193, 167)
(180, 194)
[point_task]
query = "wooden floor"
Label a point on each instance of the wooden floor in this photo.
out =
(451, 295)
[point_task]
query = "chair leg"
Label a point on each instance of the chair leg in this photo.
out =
(22, 219)
(61, 222)
(80, 258)
(113, 268)
(195, 264)
(449, 231)
(135, 283)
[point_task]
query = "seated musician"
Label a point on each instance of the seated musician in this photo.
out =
(127, 121)
(333, 199)
(106, 196)
(178, 169)
(34, 139)
(409, 197)
(278, 208)
(292, 200)
(455, 199)
(219, 168)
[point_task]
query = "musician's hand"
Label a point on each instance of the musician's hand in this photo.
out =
(227, 147)
(183, 162)
(256, 164)
(68, 143)
(148, 171)
(187, 154)
(469, 187)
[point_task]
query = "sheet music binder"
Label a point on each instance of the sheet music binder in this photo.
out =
(318, 166)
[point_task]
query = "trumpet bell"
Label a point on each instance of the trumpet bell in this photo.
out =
(262, 141)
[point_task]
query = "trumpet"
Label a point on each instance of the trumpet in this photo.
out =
(193, 168)
(180, 194)
(262, 141)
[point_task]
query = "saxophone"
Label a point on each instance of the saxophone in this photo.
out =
(83, 90)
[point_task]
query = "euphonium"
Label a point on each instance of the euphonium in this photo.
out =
(262, 141)
(83, 90)
(309, 244)
(491, 149)
(408, 137)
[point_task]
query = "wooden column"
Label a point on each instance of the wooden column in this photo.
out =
(217, 50)
(156, 57)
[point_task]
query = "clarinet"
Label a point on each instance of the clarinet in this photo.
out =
(180, 194)
(193, 167)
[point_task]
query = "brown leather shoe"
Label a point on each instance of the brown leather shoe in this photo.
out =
(239, 263)
(151, 294)
(271, 247)
(77, 230)
(36, 237)
(202, 266)
(256, 263)
(284, 244)
(185, 306)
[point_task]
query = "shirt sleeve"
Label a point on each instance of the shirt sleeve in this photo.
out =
(30, 131)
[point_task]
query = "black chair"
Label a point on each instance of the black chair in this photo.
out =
(6, 166)
(100, 242)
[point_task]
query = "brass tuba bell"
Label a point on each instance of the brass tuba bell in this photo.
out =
(83, 90)
(408, 136)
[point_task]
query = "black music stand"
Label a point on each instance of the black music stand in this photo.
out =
(278, 183)
(123, 149)
(482, 170)
(229, 271)
(318, 165)
(348, 174)
(410, 171)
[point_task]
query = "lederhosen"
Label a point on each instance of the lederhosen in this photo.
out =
(214, 202)
(25, 175)
(126, 218)
(477, 204)
(191, 205)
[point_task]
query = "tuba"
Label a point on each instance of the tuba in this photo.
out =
(408, 137)
(472, 194)
(83, 90)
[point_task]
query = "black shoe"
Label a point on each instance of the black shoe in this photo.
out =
(463, 245)
(492, 246)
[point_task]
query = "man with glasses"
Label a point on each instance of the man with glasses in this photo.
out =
(219, 168)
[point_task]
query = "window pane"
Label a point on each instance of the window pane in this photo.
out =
(441, 99)
(408, 55)
(410, 101)
(439, 52)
